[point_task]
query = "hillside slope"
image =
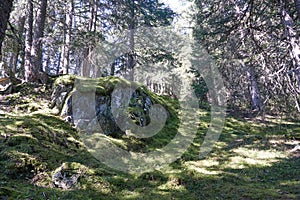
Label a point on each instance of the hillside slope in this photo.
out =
(43, 157)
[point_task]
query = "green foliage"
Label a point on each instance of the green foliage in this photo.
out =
(149, 13)
(65, 80)
(200, 89)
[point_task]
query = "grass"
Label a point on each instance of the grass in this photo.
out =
(251, 160)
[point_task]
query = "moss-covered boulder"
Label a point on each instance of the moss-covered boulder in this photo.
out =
(108, 105)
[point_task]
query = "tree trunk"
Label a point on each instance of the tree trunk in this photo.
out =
(29, 71)
(64, 33)
(86, 66)
(36, 50)
(253, 86)
(130, 56)
(254, 90)
(5, 9)
(16, 54)
(293, 40)
(297, 5)
(65, 60)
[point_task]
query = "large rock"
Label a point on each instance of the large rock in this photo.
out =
(108, 105)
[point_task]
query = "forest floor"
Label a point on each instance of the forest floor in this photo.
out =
(251, 160)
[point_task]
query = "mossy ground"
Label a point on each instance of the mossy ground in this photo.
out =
(251, 160)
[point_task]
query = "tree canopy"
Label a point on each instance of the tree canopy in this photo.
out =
(255, 43)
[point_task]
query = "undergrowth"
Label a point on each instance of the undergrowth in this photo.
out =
(251, 160)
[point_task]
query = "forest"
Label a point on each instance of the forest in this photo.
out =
(149, 99)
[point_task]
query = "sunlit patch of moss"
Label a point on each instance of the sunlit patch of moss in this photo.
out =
(65, 80)
(27, 98)
(29, 139)
(22, 165)
(203, 167)
(245, 157)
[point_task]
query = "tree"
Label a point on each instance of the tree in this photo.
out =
(92, 26)
(292, 37)
(12, 46)
(67, 36)
(131, 15)
(58, 35)
(255, 44)
(28, 67)
(38, 34)
(297, 5)
(34, 37)
(5, 10)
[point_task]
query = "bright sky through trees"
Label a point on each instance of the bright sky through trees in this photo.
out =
(176, 5)
(182, 8)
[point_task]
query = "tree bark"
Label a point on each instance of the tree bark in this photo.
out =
(86, 65)
(130, 55)
(254, 90)
(293, 40)
(64, 33)
(39, 26)
(5, 10)
(16, 53)
(253, 85)
(29, 76)
(297, 5)
(65, 60)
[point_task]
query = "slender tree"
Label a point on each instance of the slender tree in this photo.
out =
(38, 34)
(297, 5)
(28, 67)
(131, 15)
(34, 40)
(5, 10)
(67, 36)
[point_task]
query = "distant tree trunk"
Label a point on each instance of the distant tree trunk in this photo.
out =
(254, 90)
(16, 53)
(297, 5)
(253, 86)
(64, 33)
(65, 60)
(47, 67)
(33, 42)
(130, 55)
(38, 34)
(293, 40)
(28, 68)
(58, 64)
(5, 10)
(86, 68)
(112, 69)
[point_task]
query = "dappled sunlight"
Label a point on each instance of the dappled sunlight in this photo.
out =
(278, 142)
(239, 162)
(245, 157)
(206, 166)
(290, 182)
(127, 194)
(273, 120)
(220, 145)
(173, 184)
(259, 154)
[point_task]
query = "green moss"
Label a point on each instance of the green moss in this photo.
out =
(65, 80)
(251, 160)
